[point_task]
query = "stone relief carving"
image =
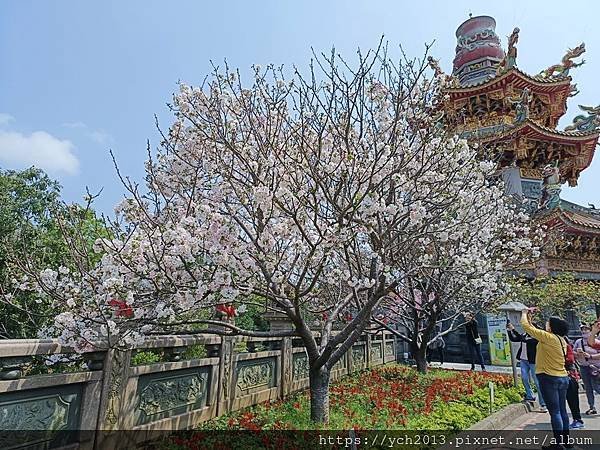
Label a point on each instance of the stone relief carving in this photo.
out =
(301, 367)
(114, 388)
(358, 355)
(45, 413)
(168, 393)
(255, 375)
(375, 350)
(389, 349)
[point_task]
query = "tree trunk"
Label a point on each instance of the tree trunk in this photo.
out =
(319, 394)
(420, 356)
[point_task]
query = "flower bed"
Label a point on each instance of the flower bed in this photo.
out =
(392, 397)
(387, 398)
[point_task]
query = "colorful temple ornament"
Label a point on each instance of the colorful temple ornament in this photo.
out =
(590, 122)
(551, 188)
(521, 106)
(510, 60)
(566, 64)
(478, 50)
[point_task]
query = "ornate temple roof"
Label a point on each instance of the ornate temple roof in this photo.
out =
(490, 101)
(516, 75)
(575, 218)
(530, 128)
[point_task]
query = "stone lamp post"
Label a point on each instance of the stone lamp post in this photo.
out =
(513, 314)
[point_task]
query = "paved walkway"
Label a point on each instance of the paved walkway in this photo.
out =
(541, 421)
(460, 366)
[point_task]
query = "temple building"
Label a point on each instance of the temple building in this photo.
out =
(514, 116)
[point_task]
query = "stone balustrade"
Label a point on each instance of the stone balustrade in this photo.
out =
(109, 393)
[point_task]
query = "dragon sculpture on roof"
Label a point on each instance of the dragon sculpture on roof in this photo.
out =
(589, 122)
(566, 64)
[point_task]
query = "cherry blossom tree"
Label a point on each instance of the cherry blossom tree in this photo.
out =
(465, 264)
(306, 195)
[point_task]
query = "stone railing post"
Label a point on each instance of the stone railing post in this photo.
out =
(112, 398)
(368, 357)
(287, 362)
(225, 389)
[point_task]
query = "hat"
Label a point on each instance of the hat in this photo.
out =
(584, 325)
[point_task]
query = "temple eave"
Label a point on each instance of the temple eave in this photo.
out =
(516, 78)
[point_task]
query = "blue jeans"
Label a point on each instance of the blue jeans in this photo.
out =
(527, 374)
(554, 391)
(591, 385)
(475, 352)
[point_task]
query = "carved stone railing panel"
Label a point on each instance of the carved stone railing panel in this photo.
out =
(300, 366)
(389, 350)
(359, 357)
(376, 353)
(161, 395)
(47, 411)
(255, 375)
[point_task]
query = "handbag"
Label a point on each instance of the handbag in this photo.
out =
(477, 339)
(569, 367)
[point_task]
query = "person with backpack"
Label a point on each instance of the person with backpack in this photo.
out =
(573, 389)
(588, 368)
(550, 361)
(526, 357)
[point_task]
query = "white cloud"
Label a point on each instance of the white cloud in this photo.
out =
(5, 119)
(98, 136)
(40, 149)
(74, 125)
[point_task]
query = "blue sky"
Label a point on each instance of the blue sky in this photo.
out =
(78, 78)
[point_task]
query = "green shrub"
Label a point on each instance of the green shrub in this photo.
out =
(197, 351)
(142, 358)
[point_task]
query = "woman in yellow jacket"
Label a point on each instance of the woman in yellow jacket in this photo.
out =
(551, 373)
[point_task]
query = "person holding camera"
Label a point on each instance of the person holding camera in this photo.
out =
(473, 340)
(526, 358)
(550, 368)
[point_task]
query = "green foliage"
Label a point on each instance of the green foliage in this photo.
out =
(558, 293)
(454, 416)
(253, 319)
(142, 358)
(197, 351)
(33, 223)
(69, 364)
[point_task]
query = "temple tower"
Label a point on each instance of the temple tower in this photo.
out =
(514, 116)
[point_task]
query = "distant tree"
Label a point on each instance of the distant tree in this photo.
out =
(465, 263)
(33, 225)
(556, 294)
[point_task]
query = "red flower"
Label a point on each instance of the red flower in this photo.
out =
(122, 308)
(228, 310)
